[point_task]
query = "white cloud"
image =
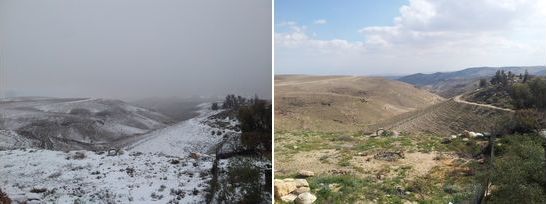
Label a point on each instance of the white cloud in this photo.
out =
(320, 21)
(427, 35)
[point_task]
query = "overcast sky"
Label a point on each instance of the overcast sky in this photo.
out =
(360, 37)
(131, 49)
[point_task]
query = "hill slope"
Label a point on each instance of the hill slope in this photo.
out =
(448, 117)
(342, 103)
(61, 124)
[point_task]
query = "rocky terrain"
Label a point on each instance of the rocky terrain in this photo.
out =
(436, 152)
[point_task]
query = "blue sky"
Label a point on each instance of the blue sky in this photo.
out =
(406, 36)
(343, 18)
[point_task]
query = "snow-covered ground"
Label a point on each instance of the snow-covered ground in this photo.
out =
(44, 176)
(68, 124)
(192, 135)
(157, 169)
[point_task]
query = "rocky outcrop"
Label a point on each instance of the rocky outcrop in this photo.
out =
(305, 174)
(305, 198)
(291, 190)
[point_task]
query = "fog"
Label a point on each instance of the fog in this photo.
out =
(132, 49)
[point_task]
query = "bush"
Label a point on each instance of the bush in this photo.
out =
(521, 96)
(527, 121)
(256, 124)
(530, 95)
(483, 83)
(214, 106)
(519, 172)
(4, 197)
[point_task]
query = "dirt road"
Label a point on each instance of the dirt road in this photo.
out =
(459, 100)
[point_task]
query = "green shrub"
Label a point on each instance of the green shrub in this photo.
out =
(519, 170)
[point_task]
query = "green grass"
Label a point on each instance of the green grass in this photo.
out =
(353, 189)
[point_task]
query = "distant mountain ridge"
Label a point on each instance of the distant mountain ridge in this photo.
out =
(421, 79)
(448, 84)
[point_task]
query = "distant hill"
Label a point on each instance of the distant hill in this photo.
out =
(449, 84)
(64, 124)
(342, 103)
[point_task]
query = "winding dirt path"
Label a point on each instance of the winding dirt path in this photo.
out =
(459, 100)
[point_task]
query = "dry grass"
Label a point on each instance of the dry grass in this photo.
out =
(342, 103)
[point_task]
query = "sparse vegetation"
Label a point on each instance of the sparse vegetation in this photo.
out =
(4, 198)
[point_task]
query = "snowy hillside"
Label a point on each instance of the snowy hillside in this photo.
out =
(193, 135)
(175, 164)
(71, 124)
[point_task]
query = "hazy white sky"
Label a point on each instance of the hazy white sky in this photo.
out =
(136, 48)
(421, 36)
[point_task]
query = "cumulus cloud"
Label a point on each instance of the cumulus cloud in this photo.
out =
(320, 21)
(428, 36)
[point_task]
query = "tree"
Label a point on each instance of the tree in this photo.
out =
(214, 106)
(538, 91)
(256, 124)
(521, 96)
(526, 76)
(483, 83)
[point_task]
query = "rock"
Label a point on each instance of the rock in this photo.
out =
(33, 196)
(363, 154)
(289, 198)
(112, 152)
(283, 188)
(77, 155)
(469, 134)
(301, 190)
(38, 189)
(301, 183)
(305, 198)
(304, 173)
(197, 155)
(288, 180)
(479, 134)
(18, 198)
(341, 171)
(334, 187)
(465, 139)
(472, 134)
(453, 136)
